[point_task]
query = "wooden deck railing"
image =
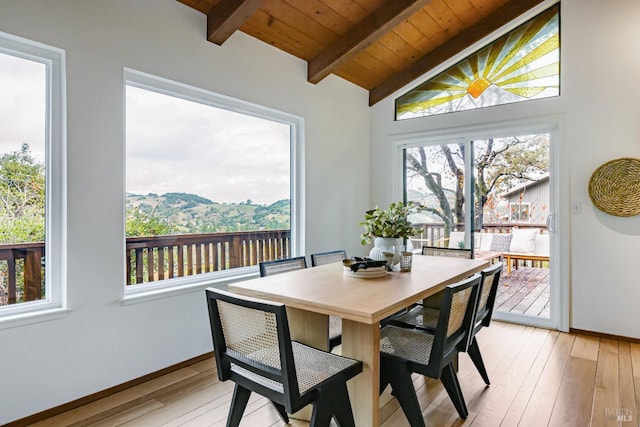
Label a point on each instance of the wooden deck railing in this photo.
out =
(156, 258)
(149, 259)
(21, 272)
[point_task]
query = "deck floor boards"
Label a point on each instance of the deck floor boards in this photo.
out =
(525, 291)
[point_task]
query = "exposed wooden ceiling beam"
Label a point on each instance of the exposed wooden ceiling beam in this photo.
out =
(224, 19)
(455, 45)
(361, 36)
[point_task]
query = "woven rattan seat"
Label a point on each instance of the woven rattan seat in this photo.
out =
(313, 367)
(335, 323)
(404, 351)
(253, 348)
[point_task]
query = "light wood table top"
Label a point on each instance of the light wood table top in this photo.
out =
(326, 289)
(314, 293)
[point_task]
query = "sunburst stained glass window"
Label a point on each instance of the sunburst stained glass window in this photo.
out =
(523, 64)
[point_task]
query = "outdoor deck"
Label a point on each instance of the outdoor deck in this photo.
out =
(525, 291)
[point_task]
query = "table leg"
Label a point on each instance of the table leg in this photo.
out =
(311, 329)
(361, 341)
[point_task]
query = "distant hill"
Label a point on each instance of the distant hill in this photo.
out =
(191, 213)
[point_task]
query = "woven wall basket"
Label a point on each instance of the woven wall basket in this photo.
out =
(614, 187)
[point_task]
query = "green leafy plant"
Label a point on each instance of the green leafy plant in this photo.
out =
(391, 222)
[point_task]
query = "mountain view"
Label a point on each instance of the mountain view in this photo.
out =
(189, 213)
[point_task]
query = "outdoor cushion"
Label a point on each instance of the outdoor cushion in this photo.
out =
(541, 245)
(485, 241)
(455, 237)
(500, 242)
(523, 240)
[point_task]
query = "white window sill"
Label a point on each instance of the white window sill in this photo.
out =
(31, 317)
(181, 286)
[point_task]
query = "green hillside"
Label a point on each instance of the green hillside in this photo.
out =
(190, 213)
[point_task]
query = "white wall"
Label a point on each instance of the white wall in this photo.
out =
(102, 343)
(599, 103)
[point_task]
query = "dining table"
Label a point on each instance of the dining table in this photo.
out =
(312, 294)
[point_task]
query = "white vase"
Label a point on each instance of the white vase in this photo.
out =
(386, 244)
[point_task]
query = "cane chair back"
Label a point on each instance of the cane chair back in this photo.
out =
(450, 252)
(322, 258)
(268, 268)
(253, 348)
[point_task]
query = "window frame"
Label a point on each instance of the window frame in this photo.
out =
(142, 80)
(519, 206)
(55, 300)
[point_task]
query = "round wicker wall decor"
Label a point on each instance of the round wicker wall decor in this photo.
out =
(614, 187)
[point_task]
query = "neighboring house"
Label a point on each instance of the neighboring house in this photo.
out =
(529, 203)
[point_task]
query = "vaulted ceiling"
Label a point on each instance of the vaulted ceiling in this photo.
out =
(379, 45)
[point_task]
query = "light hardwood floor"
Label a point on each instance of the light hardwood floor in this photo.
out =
(538, 378)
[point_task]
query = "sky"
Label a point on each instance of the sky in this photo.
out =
(175, 145)
(172, 145)
(22, 100)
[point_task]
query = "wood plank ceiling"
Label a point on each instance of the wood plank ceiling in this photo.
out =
(379, 45)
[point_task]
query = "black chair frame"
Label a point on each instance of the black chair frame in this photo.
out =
(329, 398)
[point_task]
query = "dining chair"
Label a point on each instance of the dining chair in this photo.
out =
(404, 351)
(426, 317)
(253, 348)
(335, 322)
(434, 301)
(278, 266)
(329, 257)
(450, 252)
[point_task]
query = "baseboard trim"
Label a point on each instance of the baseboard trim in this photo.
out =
(48, 413)
(603, 335)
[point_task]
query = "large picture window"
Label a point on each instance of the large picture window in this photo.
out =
(31, 171)
(209, 183)
(523, 64)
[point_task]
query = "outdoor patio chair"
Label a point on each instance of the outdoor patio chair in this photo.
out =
(404, 351)
(267, 268)
(253, 348)
(335, 322)
(426, 318)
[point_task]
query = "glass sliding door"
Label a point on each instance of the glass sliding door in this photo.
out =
(512, 202)
(494, 196)
(435, 179)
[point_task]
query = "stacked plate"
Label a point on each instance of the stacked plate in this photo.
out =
(366, 273)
